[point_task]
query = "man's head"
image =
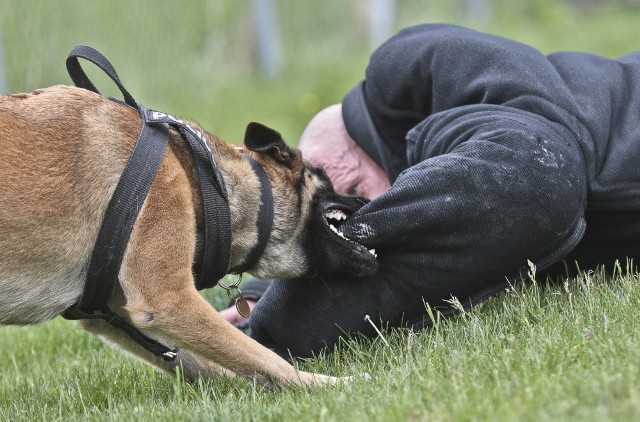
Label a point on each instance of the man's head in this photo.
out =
(326, 143)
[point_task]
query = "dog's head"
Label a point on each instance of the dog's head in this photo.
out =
(306, 237)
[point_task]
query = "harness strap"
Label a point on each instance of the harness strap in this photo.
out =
(214, 260)
(121, 214)
(80, 78)
(114, 234)
(116, 321)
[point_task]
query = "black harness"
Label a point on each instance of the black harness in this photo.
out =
(130, 193)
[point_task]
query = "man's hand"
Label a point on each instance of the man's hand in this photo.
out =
(232, 315)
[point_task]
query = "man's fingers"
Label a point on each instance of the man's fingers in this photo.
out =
(232, 315)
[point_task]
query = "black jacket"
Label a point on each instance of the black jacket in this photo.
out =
(498, 155)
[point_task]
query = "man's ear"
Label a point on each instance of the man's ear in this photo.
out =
(260, 138)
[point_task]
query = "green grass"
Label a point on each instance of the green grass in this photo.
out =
(561, 352)
(536, 352)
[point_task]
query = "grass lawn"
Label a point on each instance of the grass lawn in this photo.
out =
(567, 351)
(563, 352)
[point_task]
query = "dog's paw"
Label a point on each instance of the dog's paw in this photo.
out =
(361, 377)
(317, 380)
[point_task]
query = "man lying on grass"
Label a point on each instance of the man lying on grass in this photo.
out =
(479, 153)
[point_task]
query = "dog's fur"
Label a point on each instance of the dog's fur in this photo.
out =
(62, 151)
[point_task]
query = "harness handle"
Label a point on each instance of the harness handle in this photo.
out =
(80, 78)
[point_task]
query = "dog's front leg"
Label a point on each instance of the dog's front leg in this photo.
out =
(191, 365)
(191, 323)
(160, 295)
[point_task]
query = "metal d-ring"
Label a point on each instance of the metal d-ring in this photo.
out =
(241, 304)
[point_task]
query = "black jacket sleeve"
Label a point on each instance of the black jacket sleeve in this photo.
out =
(427, 69)
(490, 188)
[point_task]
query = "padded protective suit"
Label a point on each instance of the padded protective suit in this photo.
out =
(498, 154)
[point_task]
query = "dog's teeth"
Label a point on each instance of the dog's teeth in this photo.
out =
(336, 215)
(373, 252)
(336, 231)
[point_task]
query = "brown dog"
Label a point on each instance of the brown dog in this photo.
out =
(62, 150)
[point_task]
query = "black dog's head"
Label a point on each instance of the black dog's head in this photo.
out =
(306, 237)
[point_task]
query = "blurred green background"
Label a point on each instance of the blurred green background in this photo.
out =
(201, 59)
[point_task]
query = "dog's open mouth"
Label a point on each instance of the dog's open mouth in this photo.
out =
(334, 217)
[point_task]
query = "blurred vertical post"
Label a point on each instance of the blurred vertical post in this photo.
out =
(267, 37)
(382, 15)
(3, 81)
(478, 11)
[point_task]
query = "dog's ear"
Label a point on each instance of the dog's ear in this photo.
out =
(260, 138)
